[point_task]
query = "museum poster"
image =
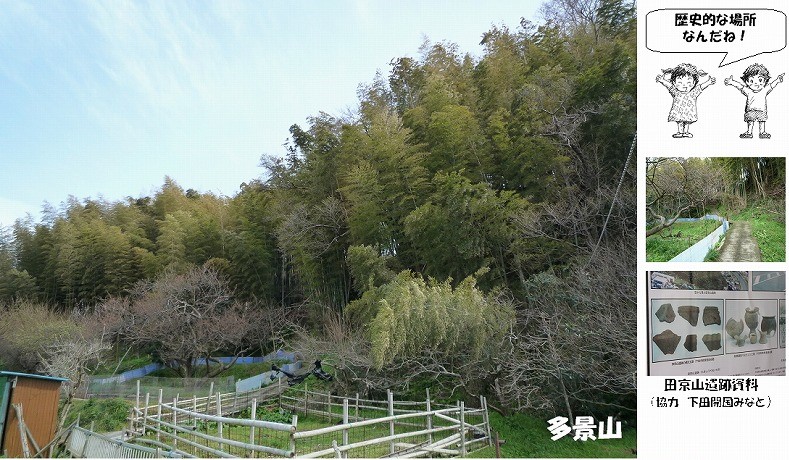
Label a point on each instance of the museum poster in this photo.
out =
(717, 323)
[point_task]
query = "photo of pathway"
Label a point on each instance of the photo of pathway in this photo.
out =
(716, 209)
(740, 245)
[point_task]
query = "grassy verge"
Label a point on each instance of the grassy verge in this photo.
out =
(527, 436)
(714, 253)
(769, 230)
(669, 243)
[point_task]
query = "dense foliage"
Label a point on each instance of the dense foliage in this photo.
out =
(478, 180)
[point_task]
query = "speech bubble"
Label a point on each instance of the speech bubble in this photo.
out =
(740, 33)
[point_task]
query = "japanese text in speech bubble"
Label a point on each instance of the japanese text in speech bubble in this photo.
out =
(738, 33)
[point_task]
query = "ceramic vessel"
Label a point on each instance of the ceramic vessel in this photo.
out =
(752, 318)
(752, 337)
(768, 325)
(734, 328)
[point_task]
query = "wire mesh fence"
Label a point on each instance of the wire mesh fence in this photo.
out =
(100, 388)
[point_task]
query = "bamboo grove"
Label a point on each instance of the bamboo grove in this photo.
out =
(463, 223)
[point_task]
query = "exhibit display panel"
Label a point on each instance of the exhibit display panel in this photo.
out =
(717, 323)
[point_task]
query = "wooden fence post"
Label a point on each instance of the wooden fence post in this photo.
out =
(208, 401)
(487, 419)
(295, 423)
(159, 418)
(219, 414)
(252, 428)
(137, 400)
(145, 412)
(328, 405)
(279, 390)
(462, 429)
(345, 422)
(306, 398)
(194, 420)
(175, 421)
(356, 412)
(429, 417)
(390, 397)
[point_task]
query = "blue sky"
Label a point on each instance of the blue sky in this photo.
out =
(105, 98)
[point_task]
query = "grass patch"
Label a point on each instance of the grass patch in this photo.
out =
(769, 230)
(712, 256)
(107, 414)
(527, 436)
(128, 363)
(669, 243)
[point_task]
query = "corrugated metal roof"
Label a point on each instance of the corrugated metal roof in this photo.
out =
(33, 376)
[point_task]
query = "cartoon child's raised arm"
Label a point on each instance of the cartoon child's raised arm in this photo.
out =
(730, 81)
(661, 78)
(710, 81)
(778, 79)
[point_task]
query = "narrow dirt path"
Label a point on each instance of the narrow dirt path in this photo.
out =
(740, 245)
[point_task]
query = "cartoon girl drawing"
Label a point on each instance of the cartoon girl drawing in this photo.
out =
(682, 82)
(756, 78)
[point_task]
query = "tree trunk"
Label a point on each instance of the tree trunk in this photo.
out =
(557, 362)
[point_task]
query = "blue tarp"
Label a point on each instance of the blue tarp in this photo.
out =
(153, 367)
(253, 383)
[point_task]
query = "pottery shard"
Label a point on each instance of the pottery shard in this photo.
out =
(711, 316)
(666, 313)
(690, 342)
(667, 341)
(690, 313)
(712, 341)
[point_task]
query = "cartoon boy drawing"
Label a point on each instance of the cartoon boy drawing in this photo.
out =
(682, 82)
(756, 78)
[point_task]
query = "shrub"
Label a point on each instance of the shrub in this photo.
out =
(26, 329)
(106, 414)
